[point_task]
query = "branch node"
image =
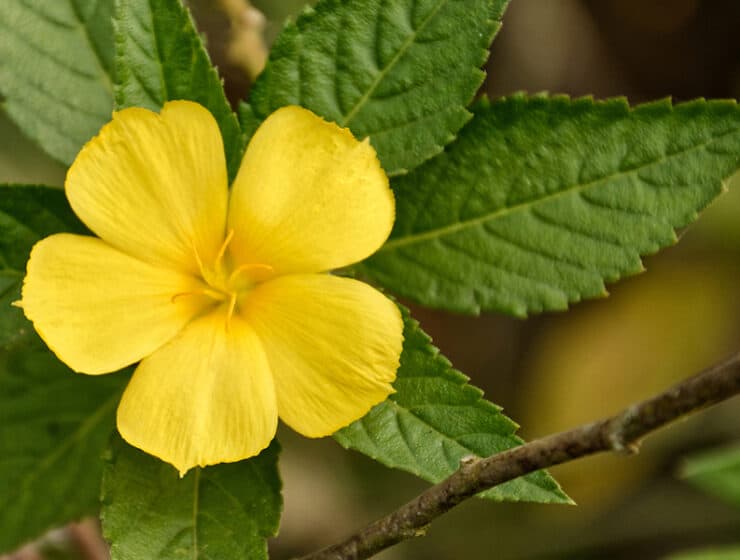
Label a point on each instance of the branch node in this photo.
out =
(632, 448)
(407, 533)
(618, 428)
(420, 531)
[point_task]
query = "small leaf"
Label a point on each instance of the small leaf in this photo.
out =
(160, 57)
(220, 512)
(401, 71)
(716, 472)
(543, 199)
(55, 70)
(434, 419)
(54, 424)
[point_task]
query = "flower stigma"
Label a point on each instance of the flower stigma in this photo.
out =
(225, 283)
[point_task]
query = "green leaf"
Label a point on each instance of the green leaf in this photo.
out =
(543, 199)
(248, 120)
(435, 418)
(55, 68)
(54, 424)
(54, 427)
(716, 553)
(27, 214)
(220, 512)
(160, 57)
(399, 71)
(717, 472)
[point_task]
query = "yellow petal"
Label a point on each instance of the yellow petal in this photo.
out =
(333, 345)
(99, 309)
(308, 196)
(155, 185)
(207, 397)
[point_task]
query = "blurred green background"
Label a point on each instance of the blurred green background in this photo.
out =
(553, 371)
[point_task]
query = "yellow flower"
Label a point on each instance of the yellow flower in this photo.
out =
(223, 296)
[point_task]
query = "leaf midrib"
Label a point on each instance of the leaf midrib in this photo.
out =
(400, 242)
(447, 437)
(158, 53)
(451, 439)
(82, 27)
(196, 511)
(84, 428)
(384, 72)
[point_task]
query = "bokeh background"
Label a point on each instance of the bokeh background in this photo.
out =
(549, 372)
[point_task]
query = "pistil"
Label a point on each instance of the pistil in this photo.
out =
(224, 286)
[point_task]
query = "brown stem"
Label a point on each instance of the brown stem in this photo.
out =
(88, 539)
(247, 46)
(621, 433)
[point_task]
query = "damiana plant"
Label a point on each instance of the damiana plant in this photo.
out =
(240, 258)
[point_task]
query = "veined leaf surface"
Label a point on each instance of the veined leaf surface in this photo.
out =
(160, 57)
(54, 424)
(214, 513)
(56, 63)
(435, 419)
(542, 200)
(399, 71)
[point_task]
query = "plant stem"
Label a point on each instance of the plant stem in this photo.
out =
(620, 433)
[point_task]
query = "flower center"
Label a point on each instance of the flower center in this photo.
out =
(226, 282)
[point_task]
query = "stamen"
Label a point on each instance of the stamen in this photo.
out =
(181, 294)
(199, 261)
(248, 267)
(222, 250)
(230, 310)
(213, 294)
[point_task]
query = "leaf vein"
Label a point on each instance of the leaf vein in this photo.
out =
(440, 232)
(196, 500)
(158, 50)
(557, 259)
(83, 30)
(347, 118)
(46, 17)
(497, 266)
(42, 116)
(89, 423)
(629, 211)
(61, 100)
(590, 235)
(49, 56)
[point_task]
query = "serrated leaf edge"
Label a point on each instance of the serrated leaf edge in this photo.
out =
(452, 228)
(494, 24)
(461, 380)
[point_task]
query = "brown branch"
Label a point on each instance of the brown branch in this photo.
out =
(246, 46)
(621, 433)
(88, 540)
